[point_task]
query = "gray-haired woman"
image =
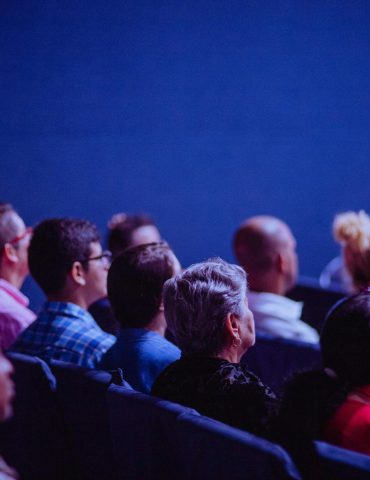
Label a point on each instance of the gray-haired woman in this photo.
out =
(206, 309)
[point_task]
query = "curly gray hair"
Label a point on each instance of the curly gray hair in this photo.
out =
(197, 302)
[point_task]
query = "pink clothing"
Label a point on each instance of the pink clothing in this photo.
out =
(350, 425)
(14, 314)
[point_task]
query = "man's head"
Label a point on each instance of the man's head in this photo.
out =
(135, 282)
(265, 247)
(130, 230)
(65, 259)
(14, 242)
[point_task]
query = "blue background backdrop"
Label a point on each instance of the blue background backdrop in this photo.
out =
(201, 113)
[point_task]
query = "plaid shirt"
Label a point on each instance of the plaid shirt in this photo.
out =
(67, 332)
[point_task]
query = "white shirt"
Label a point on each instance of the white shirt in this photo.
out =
(280, 316)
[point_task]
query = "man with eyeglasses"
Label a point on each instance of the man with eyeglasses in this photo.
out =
(15, 315)
(67, 261)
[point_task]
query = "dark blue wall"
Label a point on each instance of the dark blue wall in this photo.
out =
(199, 112)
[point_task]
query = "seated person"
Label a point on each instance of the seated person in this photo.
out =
(66, 260)
(14, 241)
(265, 247)
(332, 404)
(6, 411)
(352, 231)
(135, 283)
(206, 308)
(123, 231)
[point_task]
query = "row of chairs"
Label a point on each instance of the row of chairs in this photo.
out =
(70, 423)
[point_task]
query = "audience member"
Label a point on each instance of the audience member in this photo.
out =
(130, 230)
(352, 231)
(14, 241)
(135, 283)
(206, 307)
(6, 396)
(332, 404)
(66, 260)
(265, 247)
(123, 231)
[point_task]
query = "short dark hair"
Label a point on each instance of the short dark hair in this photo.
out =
(120, 232)
(55, 245)
(135, 282)
(345, 339)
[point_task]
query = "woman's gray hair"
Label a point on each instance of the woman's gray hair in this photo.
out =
(197, 302)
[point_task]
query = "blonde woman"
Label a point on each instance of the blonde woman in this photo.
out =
(352, 231)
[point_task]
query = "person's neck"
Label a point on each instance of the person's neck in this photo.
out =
(273, 286)
(69, 297)
(12, 277)
(229, 354)
(158, 324)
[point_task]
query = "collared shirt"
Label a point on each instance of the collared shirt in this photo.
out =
(14, 314)
(280, 316)
(67, 332)
(142, 354)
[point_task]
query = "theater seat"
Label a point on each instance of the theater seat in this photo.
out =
(210, 449)
(34, 440)
(317, 301)
(144, 434)
(340, 464)
(81, 395)
(275, 359)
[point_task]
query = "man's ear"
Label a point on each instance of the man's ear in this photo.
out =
(78, 273)
(10, 253)
(161, 307)
(281, 264)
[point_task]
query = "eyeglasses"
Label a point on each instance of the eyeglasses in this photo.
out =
(105, 256)
(28, 231)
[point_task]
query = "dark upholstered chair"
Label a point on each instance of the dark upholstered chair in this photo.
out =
(317, 301)
(81, 395)
(210, 449)
(144, 434)
(34, 440)
(275, 359)
(340, 464)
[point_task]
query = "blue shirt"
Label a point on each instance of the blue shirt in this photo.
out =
(67, 332)
(142, 355)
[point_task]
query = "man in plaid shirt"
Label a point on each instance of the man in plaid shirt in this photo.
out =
(66, 260)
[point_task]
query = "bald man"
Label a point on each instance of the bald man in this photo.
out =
(265, 247)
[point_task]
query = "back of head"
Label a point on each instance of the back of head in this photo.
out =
(128, 230)
(197, 302)
(352, 231)
(135, 282)
(258, 244)
(8, 225)
(56, 244)
(345, 339)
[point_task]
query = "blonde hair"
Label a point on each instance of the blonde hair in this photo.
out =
(352, 231)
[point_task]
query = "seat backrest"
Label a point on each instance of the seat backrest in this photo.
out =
(34, 441)
(207, 448)
(317, 301)
(81, 395)
(340, 464)
(143, 433)
(275, 359)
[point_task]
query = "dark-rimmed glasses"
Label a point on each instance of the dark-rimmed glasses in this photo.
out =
(104, 256)
(18, 238)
